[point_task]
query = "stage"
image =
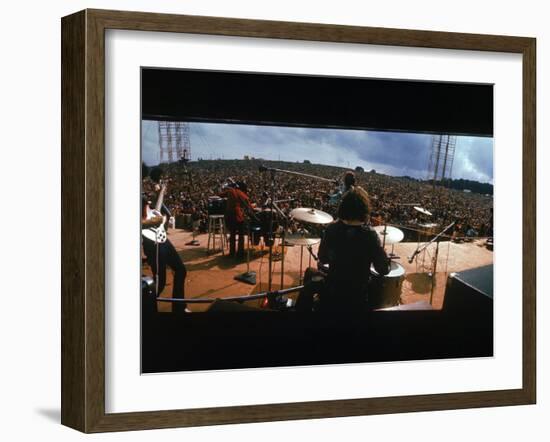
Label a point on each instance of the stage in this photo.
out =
(211, 275)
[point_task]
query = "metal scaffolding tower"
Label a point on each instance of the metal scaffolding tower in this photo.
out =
(440, 166)
(174, 141)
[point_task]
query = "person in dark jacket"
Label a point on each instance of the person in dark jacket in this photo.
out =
(348, 249)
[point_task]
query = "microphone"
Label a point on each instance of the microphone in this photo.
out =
(411, 258)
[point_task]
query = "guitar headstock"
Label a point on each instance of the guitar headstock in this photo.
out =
(161, 186)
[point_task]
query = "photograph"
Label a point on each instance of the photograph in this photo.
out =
(269, 220)
(276, 234)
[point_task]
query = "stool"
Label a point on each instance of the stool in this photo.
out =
(216, 230)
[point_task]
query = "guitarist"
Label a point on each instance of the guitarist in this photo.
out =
(160, 252)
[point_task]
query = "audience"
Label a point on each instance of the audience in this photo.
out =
(392, 198)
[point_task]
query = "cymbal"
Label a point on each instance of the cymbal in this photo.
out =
(392, 234)
(312, 216)
(422, 210)
(299, 240)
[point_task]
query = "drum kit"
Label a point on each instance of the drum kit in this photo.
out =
(268, 221)
(307, 216)
(385, 290)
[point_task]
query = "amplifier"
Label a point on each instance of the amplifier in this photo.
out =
(470, 291)
(216, 205)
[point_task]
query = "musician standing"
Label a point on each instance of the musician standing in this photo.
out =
(236, 207)
(159, 255)
(349, 182)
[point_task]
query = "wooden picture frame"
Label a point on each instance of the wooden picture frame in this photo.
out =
(83, 216)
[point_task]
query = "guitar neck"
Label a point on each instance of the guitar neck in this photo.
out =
(160, 199)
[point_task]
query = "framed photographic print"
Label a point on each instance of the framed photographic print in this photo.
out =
(269, 220)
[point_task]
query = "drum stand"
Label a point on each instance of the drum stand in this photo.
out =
(271, 236)
(285, 225)
(302, 260)
(424, 263)
(284, 220)
(391, 255)
(433, 266)
(421, 266)
(433, 272)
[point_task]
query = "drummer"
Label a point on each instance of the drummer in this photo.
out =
(349, 247)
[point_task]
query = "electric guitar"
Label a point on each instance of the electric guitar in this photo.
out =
(156, 234)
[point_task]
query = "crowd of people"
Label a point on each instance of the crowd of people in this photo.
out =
(392, 199)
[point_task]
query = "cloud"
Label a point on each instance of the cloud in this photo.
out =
(149, 142)
(474, 159)
(388, 152)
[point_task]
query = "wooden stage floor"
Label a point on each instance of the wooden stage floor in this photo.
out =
(211, 275)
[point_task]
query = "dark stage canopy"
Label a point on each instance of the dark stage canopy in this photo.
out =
(296, 100)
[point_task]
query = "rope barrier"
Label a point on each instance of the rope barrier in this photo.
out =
(243, 298)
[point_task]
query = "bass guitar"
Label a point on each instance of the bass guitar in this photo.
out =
(156, 234)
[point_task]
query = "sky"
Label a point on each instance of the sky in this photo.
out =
(391, 153)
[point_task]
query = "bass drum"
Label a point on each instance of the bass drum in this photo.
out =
(385, 291)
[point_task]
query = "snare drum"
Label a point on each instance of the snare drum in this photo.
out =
(385, 291)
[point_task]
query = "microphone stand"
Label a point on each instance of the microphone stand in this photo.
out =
(284, 219)
(291, 172)
(426, 245)
(271, 236)
(247, 277)
(272, 208)
(273, 170)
